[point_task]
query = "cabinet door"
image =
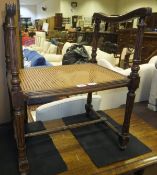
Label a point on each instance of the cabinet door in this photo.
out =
(58, 21)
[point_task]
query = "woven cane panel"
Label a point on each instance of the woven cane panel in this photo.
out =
(63, 77)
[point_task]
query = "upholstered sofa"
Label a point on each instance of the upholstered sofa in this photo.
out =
(119, 94)
(56, 59)
(45, 48)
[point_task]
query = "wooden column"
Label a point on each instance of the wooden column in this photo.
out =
(88, 106)
(16, 94)
(6, 43)
(95, 39)
(133, 85)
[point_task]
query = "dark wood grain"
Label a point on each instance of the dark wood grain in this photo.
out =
(16, 94)
(134, 76)
(141, 12)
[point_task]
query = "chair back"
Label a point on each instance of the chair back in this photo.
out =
(140, 13)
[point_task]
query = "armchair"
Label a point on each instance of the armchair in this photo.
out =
(39, 40)
(56, 59)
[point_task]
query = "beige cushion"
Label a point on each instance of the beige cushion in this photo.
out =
(106, 64)
(89, 50)
(46, 46)
(52, 49)
(103, 55)
(53, 57)
(153, 60)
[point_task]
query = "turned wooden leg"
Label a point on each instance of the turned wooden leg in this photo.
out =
(25, 112)
(124, 138)
(20, 139)
(88, 106)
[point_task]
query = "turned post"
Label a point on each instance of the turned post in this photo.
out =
(133, 85)
(6, 43)
(16, 94)
(95, 39)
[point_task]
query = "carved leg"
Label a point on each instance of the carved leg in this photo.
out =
(25, 112)
(20, 139)
(124, 138)
(88, 106)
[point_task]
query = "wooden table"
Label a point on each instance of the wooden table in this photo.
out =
(79, 163)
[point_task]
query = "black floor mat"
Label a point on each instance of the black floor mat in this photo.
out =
(43, 157)
(101, 144)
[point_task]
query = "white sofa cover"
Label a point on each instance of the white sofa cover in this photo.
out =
(100, 55)
(119, 94)
(153, 91)
(63, 108)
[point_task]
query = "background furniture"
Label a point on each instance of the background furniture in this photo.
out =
(151, 22)
(149, 46)
(58, 21)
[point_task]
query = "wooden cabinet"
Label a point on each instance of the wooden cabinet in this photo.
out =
(149, 48)
(151, 22)
(74, 21)
(126, 38)
(58, 21)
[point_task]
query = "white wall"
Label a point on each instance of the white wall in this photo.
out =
(124, 6)
(28, 11)
(53, 6)
(86, 8)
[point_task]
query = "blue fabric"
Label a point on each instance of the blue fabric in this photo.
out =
(48, 64)
(35, 58)
(26, 52)
(31, 55)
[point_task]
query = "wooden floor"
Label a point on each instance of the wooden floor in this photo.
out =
(79, 163)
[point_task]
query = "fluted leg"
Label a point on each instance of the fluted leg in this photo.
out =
(124, 138)
(20, 139)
